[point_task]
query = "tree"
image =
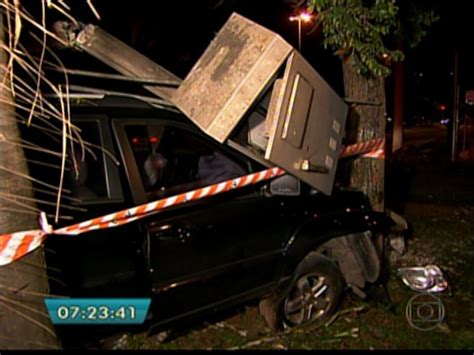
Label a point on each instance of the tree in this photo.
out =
(24, 321)
(359, 32)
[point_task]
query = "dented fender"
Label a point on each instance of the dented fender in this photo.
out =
(350, 239)
(320, 229)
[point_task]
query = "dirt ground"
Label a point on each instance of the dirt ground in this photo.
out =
(437, 198)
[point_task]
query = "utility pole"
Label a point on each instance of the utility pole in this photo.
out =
(302, 17)
(399, 98)
(454, 138)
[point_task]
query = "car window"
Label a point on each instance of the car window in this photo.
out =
(172, 160)
(87, 173)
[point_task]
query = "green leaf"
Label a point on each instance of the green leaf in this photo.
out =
(362, 29)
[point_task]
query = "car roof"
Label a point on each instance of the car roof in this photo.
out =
(123, 105)
(111, 101)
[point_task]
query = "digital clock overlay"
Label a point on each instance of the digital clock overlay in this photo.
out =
(96, 311)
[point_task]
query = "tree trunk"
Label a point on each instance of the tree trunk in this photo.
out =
(366, 122)
(399, 99)
(24, 323)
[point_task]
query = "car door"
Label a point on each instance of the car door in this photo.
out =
(205, 253)
(98, 263)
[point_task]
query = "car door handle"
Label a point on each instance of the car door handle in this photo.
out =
(170, 231)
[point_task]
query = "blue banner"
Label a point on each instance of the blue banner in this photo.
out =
(97, 311)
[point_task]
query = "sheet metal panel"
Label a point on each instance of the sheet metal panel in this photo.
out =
(236, 67)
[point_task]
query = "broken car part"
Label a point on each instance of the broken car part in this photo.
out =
(428, 278)
(396, 237)
(357, 258)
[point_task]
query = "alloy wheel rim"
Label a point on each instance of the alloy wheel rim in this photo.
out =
(308, 300)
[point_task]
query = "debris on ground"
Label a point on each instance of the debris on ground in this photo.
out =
(121, 342)
(427, 278)
(255, 343)
(342, 312)
(354, 333)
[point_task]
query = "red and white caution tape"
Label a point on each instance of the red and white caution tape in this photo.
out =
(16, 245)
(378, 154)
(369, 149)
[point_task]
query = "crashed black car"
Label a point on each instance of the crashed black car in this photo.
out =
(281, 241)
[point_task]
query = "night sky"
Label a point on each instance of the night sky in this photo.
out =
(429, 67)
(175, 34)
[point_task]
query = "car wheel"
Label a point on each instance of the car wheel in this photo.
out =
(313, 297)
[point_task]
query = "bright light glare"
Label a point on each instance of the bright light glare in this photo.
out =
(305, 17)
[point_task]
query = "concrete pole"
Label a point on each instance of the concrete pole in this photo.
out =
(299, 34)
(454, 139)
(398, 109)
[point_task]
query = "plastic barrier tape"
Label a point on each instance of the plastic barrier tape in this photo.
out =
(16, 245)
(370, 149)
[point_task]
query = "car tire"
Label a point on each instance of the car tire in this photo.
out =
(313, 297)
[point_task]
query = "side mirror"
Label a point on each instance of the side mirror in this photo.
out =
(285, 185)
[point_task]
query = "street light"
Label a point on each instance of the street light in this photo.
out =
(302, 17)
